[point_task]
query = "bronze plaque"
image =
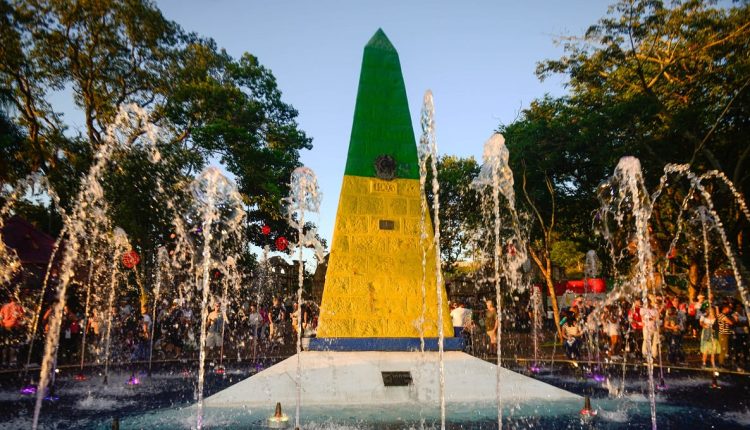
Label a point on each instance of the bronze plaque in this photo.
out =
(385, 167)
(396, 379)
(387, 224)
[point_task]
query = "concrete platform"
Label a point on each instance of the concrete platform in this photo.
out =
(355, 378)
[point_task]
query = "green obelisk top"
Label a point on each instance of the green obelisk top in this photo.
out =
(382, 132)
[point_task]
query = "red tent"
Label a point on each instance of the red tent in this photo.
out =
(581, 286)
(31, 245)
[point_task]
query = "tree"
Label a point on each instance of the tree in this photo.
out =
(11, 143)
(663, 83)
(567, 254)
(459, 206)
(681, 71)
(108, 54)
(555, 148)
(672, 82)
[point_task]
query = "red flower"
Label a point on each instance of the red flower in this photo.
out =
(265, 230)
(131, 259)
(281, 243)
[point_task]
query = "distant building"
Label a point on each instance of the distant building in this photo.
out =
(33, 248)
(319, 280)
(282, 277)
(283, 280)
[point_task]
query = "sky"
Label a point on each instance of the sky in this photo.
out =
(477, 57)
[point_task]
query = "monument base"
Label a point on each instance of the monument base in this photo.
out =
(382, 344)
(376, 377)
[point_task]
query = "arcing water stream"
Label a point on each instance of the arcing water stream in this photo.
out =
(219, 207)
(304, 196)
(89, 212)
(496, 179)
(427, 150)
(624, 197)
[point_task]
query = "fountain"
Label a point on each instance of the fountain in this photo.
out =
(625, 198)
(382, 336)
(218, 215)
(161, 262)
(88, 214)
(427, 150)
(120, 243)
(304, 196)
(218, 205)
(495, 179)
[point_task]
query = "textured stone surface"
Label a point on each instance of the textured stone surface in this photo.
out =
(373, 284)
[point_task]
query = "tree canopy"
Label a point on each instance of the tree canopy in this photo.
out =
(667, 83)
(208, 104)
(459, 207)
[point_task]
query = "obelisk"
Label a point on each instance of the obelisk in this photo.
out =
(373, 299)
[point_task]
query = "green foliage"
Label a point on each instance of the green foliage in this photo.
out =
(108, 54)
(667, 83)
(460, 211)
(568, 254)
(11, 144)
(556, 141)
(672, 80)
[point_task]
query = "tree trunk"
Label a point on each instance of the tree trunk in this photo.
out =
(693, 279)
(546, 269)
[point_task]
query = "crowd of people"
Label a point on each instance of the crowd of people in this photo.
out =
(620, 330)
(716, 330)
(658, 327)
(247, 329)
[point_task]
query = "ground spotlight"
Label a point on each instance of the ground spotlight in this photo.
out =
(278, 420)
(28, 390)
(715, 380)
(587, 413)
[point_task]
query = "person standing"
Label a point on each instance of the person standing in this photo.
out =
(307, 327)
(682, 321)
(459, 316)
(673, 336)
(612, 328)
(11, 315)
(636, 328)
(709, 343)
(265, 324)
(70, 330)
(254, 322)
(215, 323)
(277, 316)
(144, 334)
(572, 334)
(491, 323)
(650, 321)
(726, 324)
(94, 328)
(295, 316)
